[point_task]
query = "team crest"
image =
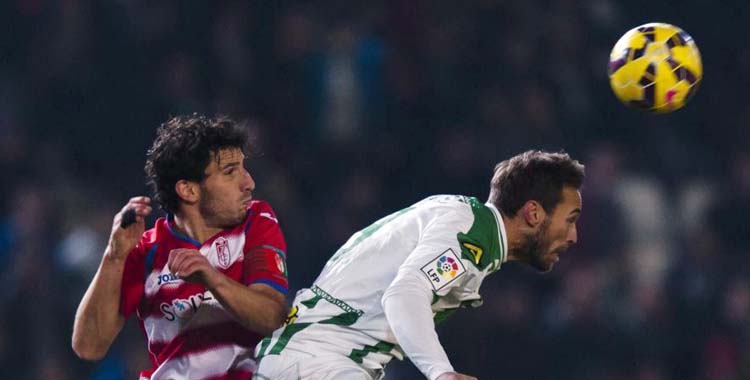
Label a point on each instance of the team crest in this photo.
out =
(224, 258)
(280, 264)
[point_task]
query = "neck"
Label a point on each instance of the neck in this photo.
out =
(513, 230)
(190, 223)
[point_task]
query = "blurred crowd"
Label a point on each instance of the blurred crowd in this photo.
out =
(359, 108)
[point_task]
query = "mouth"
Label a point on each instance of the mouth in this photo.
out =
(246, 201)
(556, 253)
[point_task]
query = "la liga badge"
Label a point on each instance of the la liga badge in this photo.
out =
(444, 269)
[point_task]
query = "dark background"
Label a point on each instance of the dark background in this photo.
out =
(361, 108)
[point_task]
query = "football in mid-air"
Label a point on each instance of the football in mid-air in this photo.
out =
(655, 67)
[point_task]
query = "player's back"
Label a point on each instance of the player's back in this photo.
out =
(361, 270)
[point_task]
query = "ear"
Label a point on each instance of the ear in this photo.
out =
(188, 191)
(533, 213)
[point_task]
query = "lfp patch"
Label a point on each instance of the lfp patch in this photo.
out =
(443, 269)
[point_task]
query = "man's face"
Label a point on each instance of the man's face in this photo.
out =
(226, 190)
(556, 233)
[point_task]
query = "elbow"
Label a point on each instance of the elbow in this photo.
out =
(86, 351)
(277, 319)
(268, 329)
(274, 319)
(90, 356)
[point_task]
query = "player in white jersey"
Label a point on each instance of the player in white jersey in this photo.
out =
(381, 293)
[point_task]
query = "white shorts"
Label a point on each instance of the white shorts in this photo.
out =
(296, 365)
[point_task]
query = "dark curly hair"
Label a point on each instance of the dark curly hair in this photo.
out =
(182, 150)
(534, 175)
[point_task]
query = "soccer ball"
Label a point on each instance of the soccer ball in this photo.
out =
(655, 67)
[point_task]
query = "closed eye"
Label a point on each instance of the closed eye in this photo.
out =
(574, 218)
(230, 169)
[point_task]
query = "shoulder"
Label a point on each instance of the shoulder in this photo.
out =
(447, 201)
(262, 225)
(153, 237)
(259, 210)
(449, 209)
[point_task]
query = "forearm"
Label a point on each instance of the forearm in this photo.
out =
(98, 320)
(407, 307)
(257, 307)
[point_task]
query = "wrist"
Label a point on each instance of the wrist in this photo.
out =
(214, 280)
(111, 256)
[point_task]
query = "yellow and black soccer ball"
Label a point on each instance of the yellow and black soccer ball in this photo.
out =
(655, 67)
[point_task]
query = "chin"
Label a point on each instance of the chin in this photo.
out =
(547, 263)
(240, 218)
(545, 269)
(233, 221)
(543, 266)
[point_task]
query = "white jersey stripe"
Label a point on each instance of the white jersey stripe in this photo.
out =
(160, 330)
(205, 364)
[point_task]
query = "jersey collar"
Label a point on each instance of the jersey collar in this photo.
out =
(502, 236)
(188, 239)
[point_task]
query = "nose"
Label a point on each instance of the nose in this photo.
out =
(248, 183)
(573, 235)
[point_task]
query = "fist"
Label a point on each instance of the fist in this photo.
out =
(191, 266)
(123, 240)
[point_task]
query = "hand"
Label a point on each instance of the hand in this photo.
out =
(455, 376)
(123, 240)
(191, 266)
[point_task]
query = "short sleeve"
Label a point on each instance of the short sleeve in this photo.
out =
(133, 277)
(265, 250)
(437, 257)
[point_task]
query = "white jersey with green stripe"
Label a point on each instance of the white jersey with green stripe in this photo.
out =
(451, 242)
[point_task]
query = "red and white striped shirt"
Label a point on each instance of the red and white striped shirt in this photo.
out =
(190, 335)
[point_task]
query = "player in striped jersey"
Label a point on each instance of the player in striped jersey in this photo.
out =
(209, 280)
(379, 296)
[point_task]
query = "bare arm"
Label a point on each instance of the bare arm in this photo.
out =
(98, 319)
(258, 307)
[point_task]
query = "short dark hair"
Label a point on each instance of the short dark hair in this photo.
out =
(182, 150)
(534, 175)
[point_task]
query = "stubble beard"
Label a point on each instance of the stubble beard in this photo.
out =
(534, 248)
(212, 211)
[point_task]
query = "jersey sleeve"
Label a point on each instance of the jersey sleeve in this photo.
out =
(433, 267)
(265, 250)
(436, 260)
(132, 285)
